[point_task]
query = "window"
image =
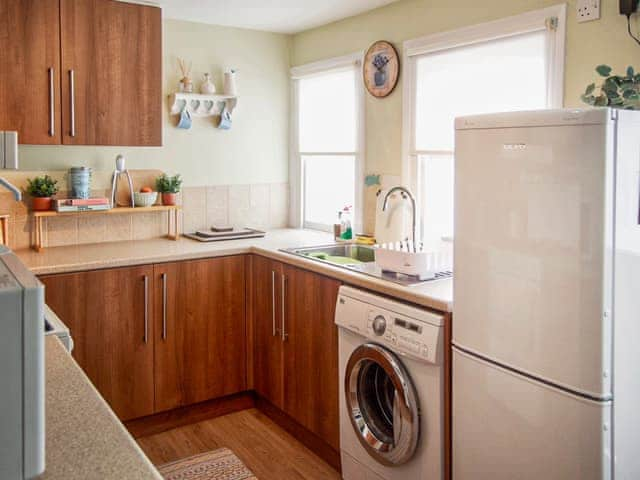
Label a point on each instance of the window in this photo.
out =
(326, 163)
(507, 65)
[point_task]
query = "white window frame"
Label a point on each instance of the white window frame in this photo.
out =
(296, 174)
(550, 19)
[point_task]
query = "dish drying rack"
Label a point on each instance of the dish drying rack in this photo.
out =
(412, 259)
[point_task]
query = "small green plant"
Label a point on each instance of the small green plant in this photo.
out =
(167, 184)
(42, 186)
(616, 91)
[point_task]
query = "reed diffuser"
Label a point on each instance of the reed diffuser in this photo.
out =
(186, 84)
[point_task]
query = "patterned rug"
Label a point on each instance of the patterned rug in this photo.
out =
(221, 464)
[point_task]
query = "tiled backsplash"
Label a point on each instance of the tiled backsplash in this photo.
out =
(259, 206)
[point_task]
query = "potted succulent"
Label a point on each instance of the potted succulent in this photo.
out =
(168, 187)
(42, 189)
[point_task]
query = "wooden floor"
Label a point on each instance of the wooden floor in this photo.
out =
(268, 451)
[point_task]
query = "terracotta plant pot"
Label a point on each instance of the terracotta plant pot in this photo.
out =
(169, 198)
(40, 204)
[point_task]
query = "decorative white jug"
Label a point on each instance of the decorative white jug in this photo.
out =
(230, 83)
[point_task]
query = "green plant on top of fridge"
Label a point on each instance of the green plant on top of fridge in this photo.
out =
(617, 91)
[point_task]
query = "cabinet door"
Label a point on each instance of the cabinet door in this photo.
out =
(106, 312)
(30, 70)
(311, 352)
(200, 347)
(267, 315)
(111, 73)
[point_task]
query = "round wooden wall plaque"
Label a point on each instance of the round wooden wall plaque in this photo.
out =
(381, 68)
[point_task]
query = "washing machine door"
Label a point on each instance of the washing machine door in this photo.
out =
(382, 404)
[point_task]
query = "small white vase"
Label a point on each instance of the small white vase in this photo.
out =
(207, 87)
(230, 83)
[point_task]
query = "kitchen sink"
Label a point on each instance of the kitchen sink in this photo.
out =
(357, 258)
(339, 254)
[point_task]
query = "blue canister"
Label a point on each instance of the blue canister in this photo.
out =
(80, 182)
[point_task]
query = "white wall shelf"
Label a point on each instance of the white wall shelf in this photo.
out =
(201, 105)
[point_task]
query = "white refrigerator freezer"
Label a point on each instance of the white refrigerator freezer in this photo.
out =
(546, 319)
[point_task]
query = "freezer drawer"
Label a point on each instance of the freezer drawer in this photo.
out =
(508, 427)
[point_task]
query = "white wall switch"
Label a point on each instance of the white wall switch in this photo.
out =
(588, 10)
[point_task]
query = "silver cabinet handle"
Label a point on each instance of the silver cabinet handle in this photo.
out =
(72, 99)
(52, 104)
(146, 309)
(273, 303)
(284, 308)
(164, 306)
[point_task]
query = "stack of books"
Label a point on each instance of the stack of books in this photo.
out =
(82, 204)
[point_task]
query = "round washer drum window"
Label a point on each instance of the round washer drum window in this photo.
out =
(382, 404)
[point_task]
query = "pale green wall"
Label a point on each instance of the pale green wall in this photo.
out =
(588, 44)
(255, 150)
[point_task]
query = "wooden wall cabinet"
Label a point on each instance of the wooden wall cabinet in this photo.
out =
(296, 356)
(109, 313)
(81, 72)
(171, 332)
(30, 70)
(200, 330)
(111, 73)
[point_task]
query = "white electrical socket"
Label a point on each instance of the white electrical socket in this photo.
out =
(588, 10)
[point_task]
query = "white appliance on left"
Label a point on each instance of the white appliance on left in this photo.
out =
(21, 370)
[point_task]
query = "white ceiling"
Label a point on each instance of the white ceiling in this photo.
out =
(283, 16)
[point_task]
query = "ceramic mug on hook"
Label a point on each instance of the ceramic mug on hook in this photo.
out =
(185, 119)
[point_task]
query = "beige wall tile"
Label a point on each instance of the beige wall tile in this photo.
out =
(119, 227)
(148, 225)
(278, 205)
(20, 232)
(239, 205)
(7, 203)
(217, 206)
(92, 228)
(259, 206)
(62, 231)
(194, 208)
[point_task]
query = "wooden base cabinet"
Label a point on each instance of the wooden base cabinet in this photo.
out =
(109, 313)
(311, 352)
(266, 300)
(200, 330)
(296, 350)
(156, 337)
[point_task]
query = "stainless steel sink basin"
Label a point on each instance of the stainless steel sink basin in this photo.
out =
(356, 258)
(338, 254)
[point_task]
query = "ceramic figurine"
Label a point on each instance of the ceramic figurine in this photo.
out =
(207, 87)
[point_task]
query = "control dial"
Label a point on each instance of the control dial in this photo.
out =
(379, 325)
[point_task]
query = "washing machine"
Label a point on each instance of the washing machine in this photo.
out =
(391, 389)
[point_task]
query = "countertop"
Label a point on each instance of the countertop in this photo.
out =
(436, 294)
(84, 438)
